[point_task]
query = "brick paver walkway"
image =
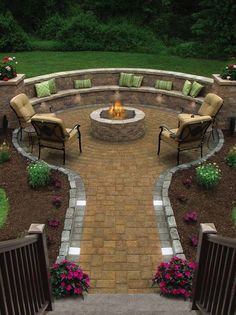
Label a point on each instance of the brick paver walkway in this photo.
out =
(120, 248)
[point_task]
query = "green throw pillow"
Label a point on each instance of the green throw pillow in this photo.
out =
(126, 79)
(83, 84)
(52, 86)
(163, 85)
(42, 89)
(196, 88)
(187, 87)
(137, 80)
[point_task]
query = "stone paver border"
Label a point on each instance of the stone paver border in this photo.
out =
(166, 224)
(169, 237)
(77, 203)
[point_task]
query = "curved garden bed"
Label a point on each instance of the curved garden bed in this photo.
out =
(29, 205)
(211, 206)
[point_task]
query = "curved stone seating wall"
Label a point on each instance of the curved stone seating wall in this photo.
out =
(105, 84)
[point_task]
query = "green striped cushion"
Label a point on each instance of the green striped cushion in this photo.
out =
(196, 88)
(187, 87)
(163, 85)
(52, 86)
(82, 84)
(137, 80)
(42, 89)
(126, 79)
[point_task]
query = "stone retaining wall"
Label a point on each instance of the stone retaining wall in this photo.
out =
(105, 84)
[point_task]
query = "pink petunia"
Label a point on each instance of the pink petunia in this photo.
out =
(63, 275)
(68, 288)
(77, 291)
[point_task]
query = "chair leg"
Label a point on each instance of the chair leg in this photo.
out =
(79, 137)
(178, 157)
(159, 145)
(39, 152)
(64, 156)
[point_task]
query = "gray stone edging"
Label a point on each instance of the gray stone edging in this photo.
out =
(70, 242)
(168, 232)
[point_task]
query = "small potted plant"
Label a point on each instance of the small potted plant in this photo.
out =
(229, 73)
(68, 279)
(7, 68)
(175, 278)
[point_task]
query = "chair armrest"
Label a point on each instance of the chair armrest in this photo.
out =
(75, 126)
(172, 134)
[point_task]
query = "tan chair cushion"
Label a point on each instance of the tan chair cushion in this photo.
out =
(51, 119)
(22, 106)
(185, 117)
(210, 105)
(193, 120)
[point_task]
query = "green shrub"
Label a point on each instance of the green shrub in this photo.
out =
(51, 26)
(186, 49)
(127, 37)
(85, 32)
(38, 174)
(4, 207)
(81, 32)
(12, 36)
(46, 45)
(4, 152)
(234, 215)
(208, 175)
(231, 157)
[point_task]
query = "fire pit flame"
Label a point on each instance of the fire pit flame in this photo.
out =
(117, 110)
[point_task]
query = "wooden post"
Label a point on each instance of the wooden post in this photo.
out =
(205, 229)
(44, 264)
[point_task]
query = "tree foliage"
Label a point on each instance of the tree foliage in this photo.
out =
(203, 28)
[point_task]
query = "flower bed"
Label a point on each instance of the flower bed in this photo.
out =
(212, 205)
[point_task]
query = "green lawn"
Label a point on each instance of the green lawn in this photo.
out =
(43, 62)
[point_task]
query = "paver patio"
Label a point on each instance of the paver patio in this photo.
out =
(120, 248)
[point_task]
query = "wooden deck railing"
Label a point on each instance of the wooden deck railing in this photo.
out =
(214, 290)
(24, 282)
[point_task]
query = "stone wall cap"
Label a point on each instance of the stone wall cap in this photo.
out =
(142, 89)
(143, 71)
(14, 81)
(221, 81)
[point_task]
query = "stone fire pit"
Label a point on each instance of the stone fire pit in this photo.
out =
(117, 129)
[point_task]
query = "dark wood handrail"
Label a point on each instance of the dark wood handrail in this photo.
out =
(17, 243)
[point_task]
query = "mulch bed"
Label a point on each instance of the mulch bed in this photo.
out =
(212, 206)
(28, 205)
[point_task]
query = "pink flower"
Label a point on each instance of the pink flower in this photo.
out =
(179, 275)
(77, 291)
(162, 284)
(63, 275)
(175, 291)
(55, 265)
(68, 288)
(192, 265)
(167, 276)
(70, 275)
(63, 284)
(187, 274)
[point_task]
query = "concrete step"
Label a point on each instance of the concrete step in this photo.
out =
(122, 304)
